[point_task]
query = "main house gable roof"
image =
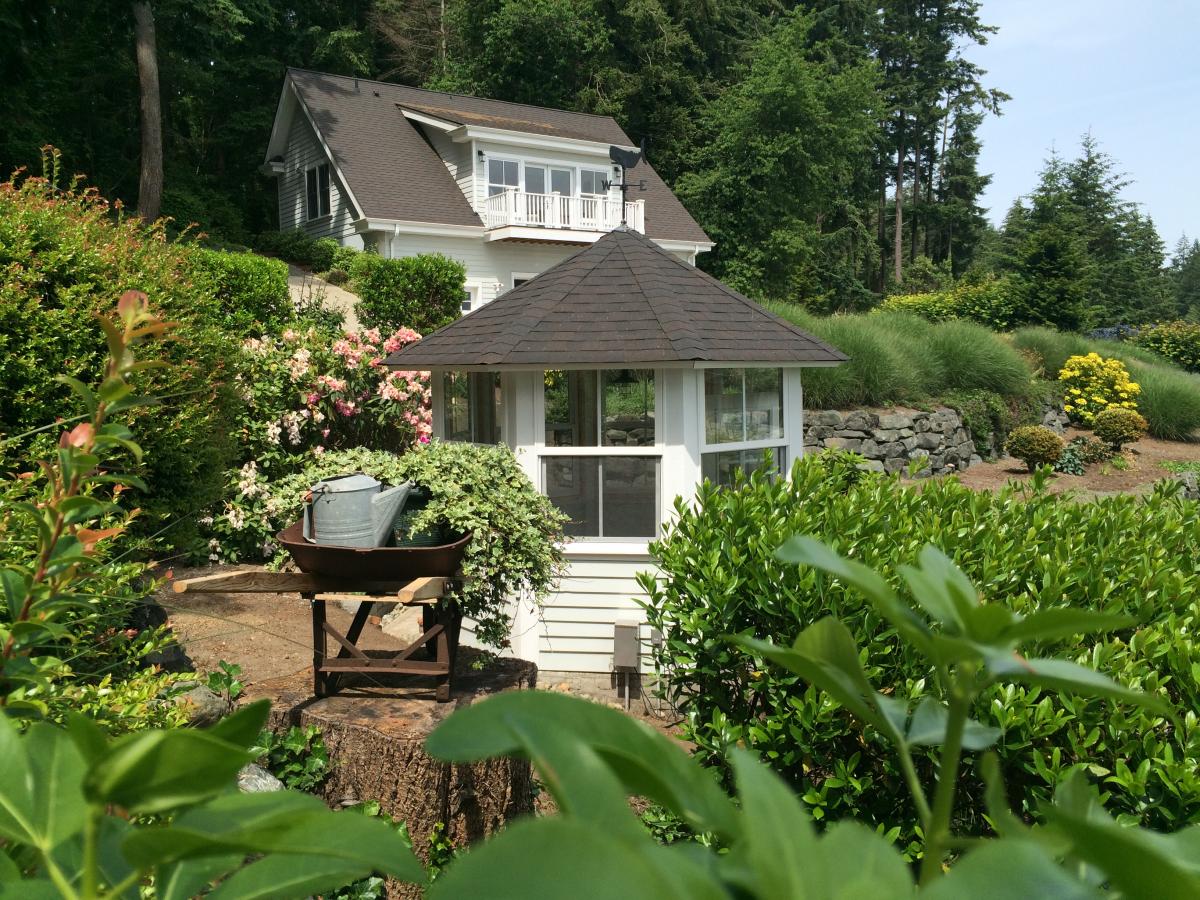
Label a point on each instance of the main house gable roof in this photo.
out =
(382, 155)
(622, 301)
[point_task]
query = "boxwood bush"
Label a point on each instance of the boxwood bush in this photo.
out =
(718, 575)
(422, 292)
(252, 289)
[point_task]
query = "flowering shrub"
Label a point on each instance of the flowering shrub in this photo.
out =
(307, 392)
(1177, 341)
(1092, 384)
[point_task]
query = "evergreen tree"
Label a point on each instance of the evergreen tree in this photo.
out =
(1185, 278)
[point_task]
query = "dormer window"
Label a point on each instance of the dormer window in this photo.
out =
(592, 182)
(503, 175)
(316, 182)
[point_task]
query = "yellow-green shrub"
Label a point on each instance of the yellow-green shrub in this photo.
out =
(1092, 384)
(990, 303)
(1034, 445)
(1118, 427)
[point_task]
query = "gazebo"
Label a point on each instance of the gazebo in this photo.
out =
(621, 377)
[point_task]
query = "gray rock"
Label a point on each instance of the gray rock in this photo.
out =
(872, 465)
(853, 433)
(895, 464)
(870, 449)
(929, 441)
(910, 444)
(204, 707)
(826, 417)
(895, 421)
(887, 434)
(841, 443)
(860, 421)
(818, 433)
(254, 779)
(1190, 485)
(893, 449)
(975, 459)
(906, 432)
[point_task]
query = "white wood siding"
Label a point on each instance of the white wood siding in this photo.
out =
(303, 152)
(457, 158)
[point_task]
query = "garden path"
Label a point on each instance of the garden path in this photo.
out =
(305, 286)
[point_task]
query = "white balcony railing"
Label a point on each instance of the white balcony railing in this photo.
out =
(514, 207)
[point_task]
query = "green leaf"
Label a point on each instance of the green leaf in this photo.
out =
(648, 763)
(30, 889)
(185, 880)
(928, 726)
(243, 727)
(776, 858)
(825, 655)
(1053, 624)
(8, 868)
(156, 771)
(90, 739)
(547, 859)
(80, 390)
(1067, 676)
(287, 875)
(806, 550)
(862, 863)
(1008, 870)
(56, 769)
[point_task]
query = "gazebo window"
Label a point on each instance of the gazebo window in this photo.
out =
(743, 416)
(599, 426)
(471, 407)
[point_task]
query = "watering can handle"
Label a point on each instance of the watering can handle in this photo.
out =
(307, 528)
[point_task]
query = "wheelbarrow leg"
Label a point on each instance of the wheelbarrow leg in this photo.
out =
(320, 679)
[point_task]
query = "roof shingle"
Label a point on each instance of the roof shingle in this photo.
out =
(622, 300)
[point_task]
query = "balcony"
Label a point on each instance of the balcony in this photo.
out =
(517, 215)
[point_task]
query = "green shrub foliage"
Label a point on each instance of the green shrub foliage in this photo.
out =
(516, 549)
(1177, 341)
(1024, 549)
(295, 246)
(1170, 401)
(324, 251)
(252, 289)
(64, 256)
(991, 302)
(1034, 445)
(1118, 427)
(422, 292)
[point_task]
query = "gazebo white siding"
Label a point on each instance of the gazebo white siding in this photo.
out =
(574, 632)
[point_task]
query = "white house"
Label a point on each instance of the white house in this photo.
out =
(506, 188)
(621, 377)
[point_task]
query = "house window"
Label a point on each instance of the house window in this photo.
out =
(503, 175)
(593, 183)
(743, 417)
(316, 182)
(471, 407)
(601, 464)
(470, 298)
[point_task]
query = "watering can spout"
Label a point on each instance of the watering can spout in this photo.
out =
(385, 506)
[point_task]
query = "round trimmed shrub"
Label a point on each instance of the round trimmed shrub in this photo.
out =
(1034, 445)
(1117, 426)
(323, 253)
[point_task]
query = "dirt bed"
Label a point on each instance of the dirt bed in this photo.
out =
(1145, 458)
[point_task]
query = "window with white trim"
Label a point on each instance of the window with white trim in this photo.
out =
(502, 175)
(602, 460)
(593, 182)
(470, 298)
(471, 407)
(743, 417)
(316, 184)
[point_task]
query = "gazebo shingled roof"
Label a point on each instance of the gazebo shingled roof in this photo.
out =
(622, 301)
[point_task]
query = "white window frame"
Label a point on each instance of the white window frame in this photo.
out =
(524, 276)
(607, 177)
(487, 173)
(783, 442)
(324, 199)
(475, 290)
(543, 451)
(576, 169)
(439, 401)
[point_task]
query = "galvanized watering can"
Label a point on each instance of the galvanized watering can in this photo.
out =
(352, 511)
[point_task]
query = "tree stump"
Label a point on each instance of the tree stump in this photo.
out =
(375, 729)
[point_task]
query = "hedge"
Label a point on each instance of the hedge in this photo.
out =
(252, 289)
(421, 292)
(718, 575)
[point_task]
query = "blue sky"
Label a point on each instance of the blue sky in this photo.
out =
(1128, 70)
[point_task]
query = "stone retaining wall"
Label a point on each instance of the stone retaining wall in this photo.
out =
(891, 440)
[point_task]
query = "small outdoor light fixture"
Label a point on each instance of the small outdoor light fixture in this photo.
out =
(626, 655)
